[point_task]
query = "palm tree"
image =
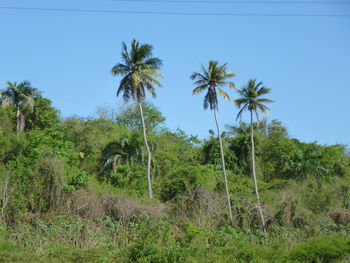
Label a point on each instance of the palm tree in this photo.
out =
(139, 73)
(125, 151)
(212, 80)
(22, 96)
(251, 100)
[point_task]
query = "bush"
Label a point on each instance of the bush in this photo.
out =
(322, 250)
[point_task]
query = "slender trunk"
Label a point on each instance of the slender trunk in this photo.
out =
(148, 153)
(253, 171)
(223, 168)
(5, 198)
(18, 121)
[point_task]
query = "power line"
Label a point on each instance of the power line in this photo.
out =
(234, 2)
(166, 13)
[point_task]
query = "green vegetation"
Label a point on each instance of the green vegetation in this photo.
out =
(75, 189)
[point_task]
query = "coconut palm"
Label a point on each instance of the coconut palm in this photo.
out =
(22, 96)
(213, 80)
(251, 100)
(139, 71)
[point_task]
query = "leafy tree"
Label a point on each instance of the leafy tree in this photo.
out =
(90, 137)
(282, 158)
(43, 115)
(251, 100)
(212, 80)
(6, 120)
(176, 150)
(129, 117)
(234, 130)
(277, 130)
(239, 146)
(139, 73)
(22, 97)
(210, 152)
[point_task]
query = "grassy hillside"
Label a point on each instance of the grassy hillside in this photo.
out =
(75, 190)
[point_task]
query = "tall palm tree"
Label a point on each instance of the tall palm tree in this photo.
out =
(139, 71)
(214, 79)
(22, 96)
(251, 99)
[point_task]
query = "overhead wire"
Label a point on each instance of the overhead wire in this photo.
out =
(166, 13)
(234, 2)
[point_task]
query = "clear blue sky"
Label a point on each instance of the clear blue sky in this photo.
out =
(304, 60)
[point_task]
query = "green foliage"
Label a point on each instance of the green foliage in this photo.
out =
(77, 181)
(43, 116)
(277, 130)
(212, 79)
(184, 179)
(120, 177)
(90, 137)
(283, 159)
(139, 71)
(7, 115)
(322, 250)
(74, 190)
(130, 119)
(127, 150)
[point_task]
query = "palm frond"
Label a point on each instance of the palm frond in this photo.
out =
(200, 82)
(251, 97)
(139, 71)
(240, 101)
(150, 88)
(257, 117)
(199, 76)
(264, 100)
(256, 86)
(151, 73)
(240, 113)
(156, 63)
(120, 69)
(229, 84)
(205, 71)
(206, 101)
(263, 91)
(224, 94)
(151, 80)
(264, 109)
(124, 87)
(213, 77)
(199, 89)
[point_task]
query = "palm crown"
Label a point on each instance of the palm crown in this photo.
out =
(139, 71)
(215, 77)
(251, 99)
(21, 93)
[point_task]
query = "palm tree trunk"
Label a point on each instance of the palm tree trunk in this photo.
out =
(253, 170)
(18, 121)
(148, 153)
(223, 168)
